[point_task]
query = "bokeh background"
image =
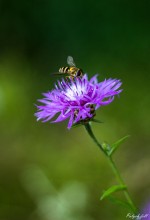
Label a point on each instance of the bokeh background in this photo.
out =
(46, 171)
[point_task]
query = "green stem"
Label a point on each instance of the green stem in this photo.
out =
(121, 181)
(113, 166)
(90, 132)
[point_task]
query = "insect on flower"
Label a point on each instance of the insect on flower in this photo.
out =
(77, 100)
(70, 71)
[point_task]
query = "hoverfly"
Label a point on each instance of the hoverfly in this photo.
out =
(71, 71)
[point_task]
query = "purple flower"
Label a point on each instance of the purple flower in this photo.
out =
(145, 212)
(77, 99)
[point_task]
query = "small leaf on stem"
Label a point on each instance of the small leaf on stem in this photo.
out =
(117, 144)
(120, 202)
(95, 120)
(113, 189)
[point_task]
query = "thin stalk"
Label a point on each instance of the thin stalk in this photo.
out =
(90, 132)
(113, 166)
(121, 181)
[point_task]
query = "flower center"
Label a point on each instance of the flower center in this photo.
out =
(75, 92)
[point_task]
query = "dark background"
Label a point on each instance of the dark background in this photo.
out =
(46, 171)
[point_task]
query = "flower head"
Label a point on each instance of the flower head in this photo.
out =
(77, 99)
(146, 211)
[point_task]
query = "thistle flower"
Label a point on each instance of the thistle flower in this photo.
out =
(77, 99)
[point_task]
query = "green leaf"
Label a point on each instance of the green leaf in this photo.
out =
(76, 125)
(106, 147)
(117, 144)
(95, 120)
(112, 189)
(120, 202)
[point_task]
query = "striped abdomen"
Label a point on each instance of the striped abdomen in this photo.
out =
(72, 71)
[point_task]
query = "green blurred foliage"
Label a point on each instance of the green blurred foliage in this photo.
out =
(46, 171)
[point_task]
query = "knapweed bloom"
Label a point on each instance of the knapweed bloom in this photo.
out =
(145, 212)
(77, 99)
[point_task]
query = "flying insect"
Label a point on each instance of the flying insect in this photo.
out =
(70, 71)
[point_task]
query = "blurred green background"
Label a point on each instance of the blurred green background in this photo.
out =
(46, 171)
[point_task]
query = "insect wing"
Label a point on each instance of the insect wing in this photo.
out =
(70, 61)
